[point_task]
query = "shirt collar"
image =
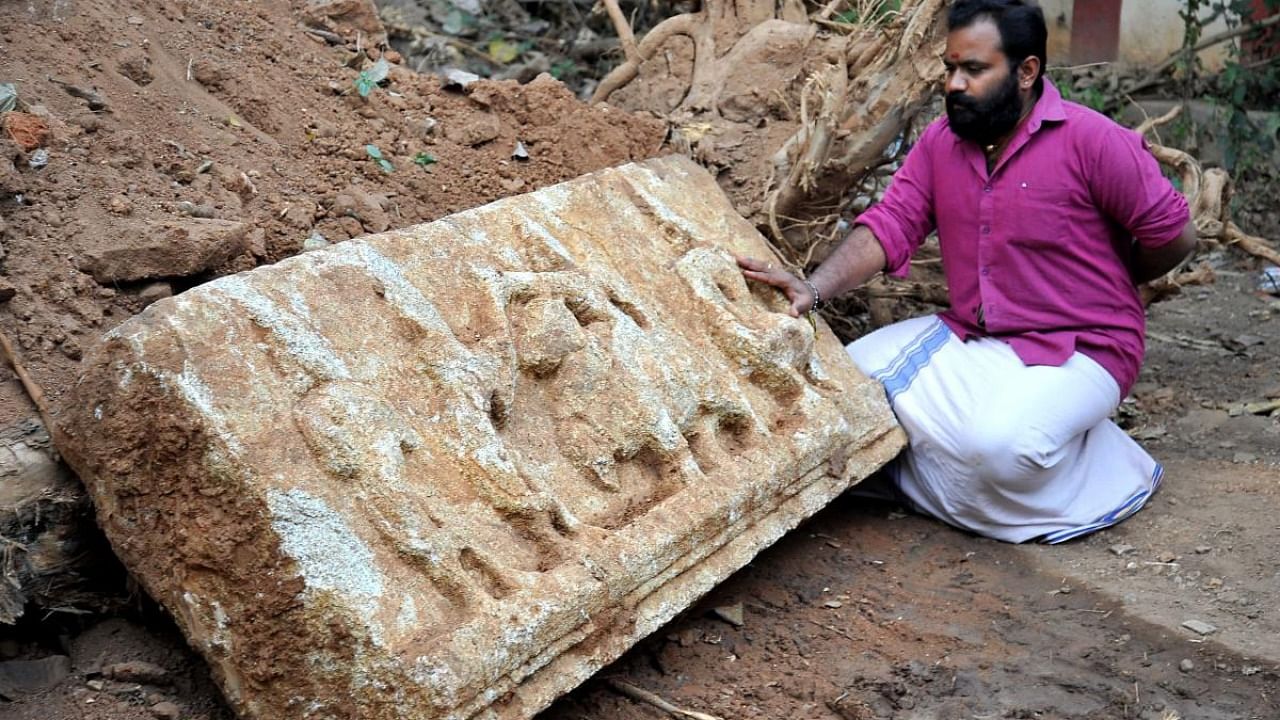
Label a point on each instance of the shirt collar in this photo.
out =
(1049, 107)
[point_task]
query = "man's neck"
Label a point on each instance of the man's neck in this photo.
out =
(996, 149)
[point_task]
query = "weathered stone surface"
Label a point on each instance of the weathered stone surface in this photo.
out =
(172, 248)
(451, 471)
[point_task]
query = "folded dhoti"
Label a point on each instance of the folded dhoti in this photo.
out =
(1009, 451)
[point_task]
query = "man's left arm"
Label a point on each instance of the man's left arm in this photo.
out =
(1128, 186)
(1149, 263)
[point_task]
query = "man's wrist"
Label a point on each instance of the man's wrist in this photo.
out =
(813, 290)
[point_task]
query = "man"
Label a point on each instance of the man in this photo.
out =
(1048, 215)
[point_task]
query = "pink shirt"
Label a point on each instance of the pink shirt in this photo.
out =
(1041, 243)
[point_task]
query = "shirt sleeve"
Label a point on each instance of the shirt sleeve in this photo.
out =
(1128, 186)
(904, 218)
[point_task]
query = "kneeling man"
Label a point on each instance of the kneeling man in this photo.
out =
(1048, 216)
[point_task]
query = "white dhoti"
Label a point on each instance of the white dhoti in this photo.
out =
(1005, 450)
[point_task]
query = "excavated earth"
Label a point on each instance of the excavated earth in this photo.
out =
(190, 140)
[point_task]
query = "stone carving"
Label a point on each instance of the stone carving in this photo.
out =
(452, 470)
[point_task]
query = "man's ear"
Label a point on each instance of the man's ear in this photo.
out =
(1028, 69)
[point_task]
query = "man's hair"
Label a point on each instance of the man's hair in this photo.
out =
(1020, 22)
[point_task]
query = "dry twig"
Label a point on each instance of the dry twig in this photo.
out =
(636, 693)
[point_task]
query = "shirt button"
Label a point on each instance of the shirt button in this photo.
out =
(986, 229)
(986, 271)
(986, 189)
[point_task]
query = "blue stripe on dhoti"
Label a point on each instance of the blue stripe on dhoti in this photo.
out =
(913, 358)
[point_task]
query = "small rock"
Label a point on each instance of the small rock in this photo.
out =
(27, 130)
(134, 20)
(1241, 458)
(833, 604)
(1121, 549)
(71, 348)
(119, 205)
(474, 130)
(1186, 665)
(1248, 670)
(153, 292)
(187, 207)
(520, 153)
(166, 711)
(1166, 557)
(178, 248)
(731, 614)
(1199, 627)
(96, 685)
(1202, 549)
(314, 242)
(7, 290)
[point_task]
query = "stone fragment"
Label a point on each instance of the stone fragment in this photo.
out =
(1199, 627)
(476, 129)
(166, 710)
(731, 614)
(453, 470)
(167, 249)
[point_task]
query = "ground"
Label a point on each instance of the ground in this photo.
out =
(863, 612)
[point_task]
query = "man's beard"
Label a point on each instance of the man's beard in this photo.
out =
(985, 120)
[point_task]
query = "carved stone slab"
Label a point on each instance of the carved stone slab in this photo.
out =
(451, 471)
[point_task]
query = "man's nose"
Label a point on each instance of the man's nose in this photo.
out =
(956, 83)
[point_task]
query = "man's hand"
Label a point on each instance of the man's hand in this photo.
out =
(798, 294)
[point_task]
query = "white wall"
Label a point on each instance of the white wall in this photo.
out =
(1150, 31)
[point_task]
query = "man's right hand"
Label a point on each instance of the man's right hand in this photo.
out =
(798, 294)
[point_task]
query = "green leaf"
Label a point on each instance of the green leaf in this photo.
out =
(503, 52)
(377, 156)
(456, 22)
(561, 69)
(423, 159)
(367, 80)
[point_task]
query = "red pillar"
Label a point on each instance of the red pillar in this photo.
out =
(1095, 30)
(1268, 44)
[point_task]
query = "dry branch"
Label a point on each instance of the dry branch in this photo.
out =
(1208, 192)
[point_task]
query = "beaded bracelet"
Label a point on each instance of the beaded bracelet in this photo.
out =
(817, 298)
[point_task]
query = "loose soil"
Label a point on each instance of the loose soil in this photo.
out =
(864, 612)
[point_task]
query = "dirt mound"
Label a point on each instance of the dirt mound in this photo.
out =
(191, 140)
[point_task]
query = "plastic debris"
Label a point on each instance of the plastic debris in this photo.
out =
(520, 153)
(1269, 280)
(38, 159)
(453, 77)
(8, 97)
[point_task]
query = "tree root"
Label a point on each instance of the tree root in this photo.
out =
(791, 110)
(1208, 192)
